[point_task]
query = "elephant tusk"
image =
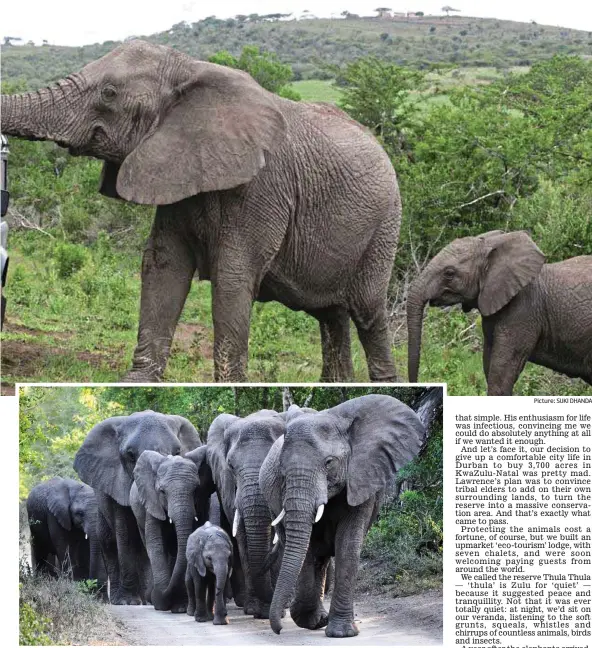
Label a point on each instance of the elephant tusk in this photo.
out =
(170, 520)
(86, 536)
(196, 519)
(235, 523)
(275, 538)
(320, 511)
(279, 518)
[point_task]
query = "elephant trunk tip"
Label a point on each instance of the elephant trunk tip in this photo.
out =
(276, 624)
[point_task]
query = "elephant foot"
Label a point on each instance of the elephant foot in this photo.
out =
(310, 619)
(139, 376)
(191, 610)
(239, 600)
(220, 620)
(203, 618)
(339, 628)
(126, 599)
(180, 608)
(257, 609)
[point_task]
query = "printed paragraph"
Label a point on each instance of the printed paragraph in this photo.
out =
(522, 549)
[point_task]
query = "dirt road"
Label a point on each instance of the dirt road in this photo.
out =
(409, 621)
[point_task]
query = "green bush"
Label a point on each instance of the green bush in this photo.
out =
(69, 258)
(33, 628)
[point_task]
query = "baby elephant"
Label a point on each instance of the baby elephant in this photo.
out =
(531, 311)
(209, 567)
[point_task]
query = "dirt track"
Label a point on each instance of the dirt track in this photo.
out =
(410, 621)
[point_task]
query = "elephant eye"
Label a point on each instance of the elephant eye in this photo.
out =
(130, 455)
(449, 272)
(329, 461)
(108, 93)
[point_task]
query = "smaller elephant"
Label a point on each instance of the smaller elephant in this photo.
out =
(63, 519)
(209, 567)
(531, 311)
(168, 505)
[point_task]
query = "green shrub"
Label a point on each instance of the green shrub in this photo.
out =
(69, 258)
(33, 628)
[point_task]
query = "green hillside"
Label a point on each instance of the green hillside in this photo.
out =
(309, 46)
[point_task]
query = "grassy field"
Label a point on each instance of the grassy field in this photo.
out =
(318, 90)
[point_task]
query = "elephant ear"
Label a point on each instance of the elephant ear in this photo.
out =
(187, 434)
(201, 565)
(58, 504)
(384, 435)
(98, 462)
(270, 481)
(217, 446)
(513, 261)
(145, 474)
(214, 136)
(206, 482)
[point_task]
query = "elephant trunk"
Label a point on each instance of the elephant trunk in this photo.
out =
(298, 520)
(183, 518)
(255, 515)
(42, 114)
(416, 302)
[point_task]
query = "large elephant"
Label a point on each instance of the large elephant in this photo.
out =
(531, 311)
(169, 505)
(63, 522)
(324, 480)
(267, 198)
(236, 449)
(106, 461)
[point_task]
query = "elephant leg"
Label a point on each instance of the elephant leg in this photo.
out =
(210, 595)
(372, 325)
(335, 343)
(129, 551)
(250, 604)
(506, 364)
(168, 267)
(349, 537)
(42, 557)
(108, 546)
(59, 538)
(307, 610)
(231, 313)
(202, 612)
(190, 586)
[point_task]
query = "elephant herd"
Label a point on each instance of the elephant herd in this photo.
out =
(255, 513)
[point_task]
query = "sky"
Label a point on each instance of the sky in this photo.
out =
(71, 22)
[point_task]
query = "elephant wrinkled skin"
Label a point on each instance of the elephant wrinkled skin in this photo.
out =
(531, 311)
(106, 461)
(324, 480)
(267, 198)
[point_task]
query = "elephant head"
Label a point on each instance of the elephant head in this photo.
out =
(483, 272)
(355, 449)
(169, 487)
(108, 456)
(238, 447)
(167, 126)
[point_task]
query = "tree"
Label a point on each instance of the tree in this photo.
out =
(383, 12)
(264, 67)
(8, 39)
(447, 9)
